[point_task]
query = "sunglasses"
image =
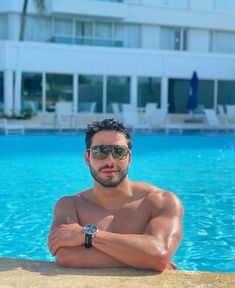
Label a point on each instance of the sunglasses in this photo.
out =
(102, 151)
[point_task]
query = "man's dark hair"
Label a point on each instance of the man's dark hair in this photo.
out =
(107, 125)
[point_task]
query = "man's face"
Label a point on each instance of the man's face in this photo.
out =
(108, 172)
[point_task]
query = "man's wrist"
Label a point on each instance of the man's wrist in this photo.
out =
(89, 231)
(80, 237)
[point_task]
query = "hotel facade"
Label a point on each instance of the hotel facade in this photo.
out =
(130, 51)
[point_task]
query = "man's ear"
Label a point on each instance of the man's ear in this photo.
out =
(86, 157)
(130, 157)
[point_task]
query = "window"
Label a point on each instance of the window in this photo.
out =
(128, 34)
(175, 3)
(37, 29)
(3, 27)
(223, 42)
(1, 92)
(31, 91)
(63, 27)
(118, 90)
(149, 90)
(173, 38)
(58, 88)
(84, 29)
(225, 5)
(226, 92)
(133, 1)
(90, 91)
(178, 94)
(103, 30)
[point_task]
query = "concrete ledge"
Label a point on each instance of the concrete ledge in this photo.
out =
(16, 273)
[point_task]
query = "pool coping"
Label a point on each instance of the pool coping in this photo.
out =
(16, 273)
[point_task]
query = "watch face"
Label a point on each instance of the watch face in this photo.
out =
(90, 229)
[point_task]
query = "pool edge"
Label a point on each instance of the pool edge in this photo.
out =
(33, 273)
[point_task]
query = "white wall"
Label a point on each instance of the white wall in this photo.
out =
(91, 8)
(16, 6)
(202, 5)
(178, 17)
(37, 57)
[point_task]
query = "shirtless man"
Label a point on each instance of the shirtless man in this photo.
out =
(134, 224)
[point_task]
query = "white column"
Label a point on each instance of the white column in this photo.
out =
(215, 94)
(8, 92)
(44, 92)
(164, 93)
(17, 102)
(133, 92)
(104, 96)
(75, 93)
(18, 77)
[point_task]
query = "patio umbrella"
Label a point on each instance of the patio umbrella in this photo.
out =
(192, 100)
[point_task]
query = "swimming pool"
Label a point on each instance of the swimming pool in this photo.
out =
(36, 170)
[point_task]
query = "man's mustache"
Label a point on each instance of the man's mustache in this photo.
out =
(109, 167)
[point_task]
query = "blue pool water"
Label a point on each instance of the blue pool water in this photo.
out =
(36, 170)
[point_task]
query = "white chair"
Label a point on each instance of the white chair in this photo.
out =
(64, 115)
(222, 115)
(116, 110)
(230, 113)
(131, 118)
(12, 128)
(87, 107)
(150, 112)
(214, 123)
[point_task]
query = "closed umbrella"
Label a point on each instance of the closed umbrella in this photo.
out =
(193, 90)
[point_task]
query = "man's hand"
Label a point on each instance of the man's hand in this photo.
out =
(171, 266)
(65, 235)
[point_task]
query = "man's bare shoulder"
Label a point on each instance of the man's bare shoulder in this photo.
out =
(71, 199)
(158, 198)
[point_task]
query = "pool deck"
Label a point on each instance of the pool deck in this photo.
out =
(18, 273)
(44, 123)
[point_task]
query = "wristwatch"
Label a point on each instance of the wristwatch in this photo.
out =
(89, 230)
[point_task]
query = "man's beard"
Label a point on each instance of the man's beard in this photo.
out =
(109, 182)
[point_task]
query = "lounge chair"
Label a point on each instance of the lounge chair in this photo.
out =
(230, 113)
(12, 128)
(87, 107)
(64, 115)
(131, 118)
(150, 113)
(214, 123)
(222, 115)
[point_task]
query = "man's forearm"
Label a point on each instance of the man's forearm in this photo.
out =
(80, 257)
(140, 251)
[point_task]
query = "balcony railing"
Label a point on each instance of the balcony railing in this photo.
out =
(86, 41)
(117, 1)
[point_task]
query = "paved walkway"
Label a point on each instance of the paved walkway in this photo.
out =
(16, 273)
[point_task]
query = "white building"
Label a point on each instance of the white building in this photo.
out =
(130, 51)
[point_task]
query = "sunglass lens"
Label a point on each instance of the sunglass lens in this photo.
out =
(99, 152)
(119, 152)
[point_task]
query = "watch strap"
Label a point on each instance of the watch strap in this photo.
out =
(88, 241)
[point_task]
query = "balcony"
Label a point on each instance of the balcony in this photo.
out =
(117, 1)
(89, 41)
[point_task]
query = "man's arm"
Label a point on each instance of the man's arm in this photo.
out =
(65, 240)
(80, 257)
(153, 250)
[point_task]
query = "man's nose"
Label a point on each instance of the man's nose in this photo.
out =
(109, 158)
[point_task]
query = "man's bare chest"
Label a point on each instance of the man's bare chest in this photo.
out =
(131, 219)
